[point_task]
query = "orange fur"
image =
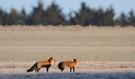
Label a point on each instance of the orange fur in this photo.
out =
(37, 66)
(71, 64)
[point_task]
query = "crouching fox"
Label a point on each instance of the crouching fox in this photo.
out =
(37, 66)
(71, 64)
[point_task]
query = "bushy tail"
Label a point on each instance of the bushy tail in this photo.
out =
(60, 65)
(32, 68)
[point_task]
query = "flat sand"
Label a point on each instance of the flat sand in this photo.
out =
(84, 70)
(103, 52)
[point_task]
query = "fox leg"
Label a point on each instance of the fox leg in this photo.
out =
(47, 69)
(37, 69)
(73, 69)
(70, 69)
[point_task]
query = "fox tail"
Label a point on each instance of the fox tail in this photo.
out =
(32, 68)
(60, 66)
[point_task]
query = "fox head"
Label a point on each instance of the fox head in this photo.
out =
(52, 60)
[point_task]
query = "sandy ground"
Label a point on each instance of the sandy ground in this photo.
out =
(84, 70)
(19, 46)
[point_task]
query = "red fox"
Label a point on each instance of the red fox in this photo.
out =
(37, 66)
(71, 64)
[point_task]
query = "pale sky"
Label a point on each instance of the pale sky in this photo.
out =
(71, 5)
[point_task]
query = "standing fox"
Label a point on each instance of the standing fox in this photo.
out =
(71, 64)
(37, 66)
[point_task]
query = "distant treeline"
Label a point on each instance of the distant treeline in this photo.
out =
(53, 15)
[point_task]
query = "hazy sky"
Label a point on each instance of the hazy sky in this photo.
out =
(70, 5)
